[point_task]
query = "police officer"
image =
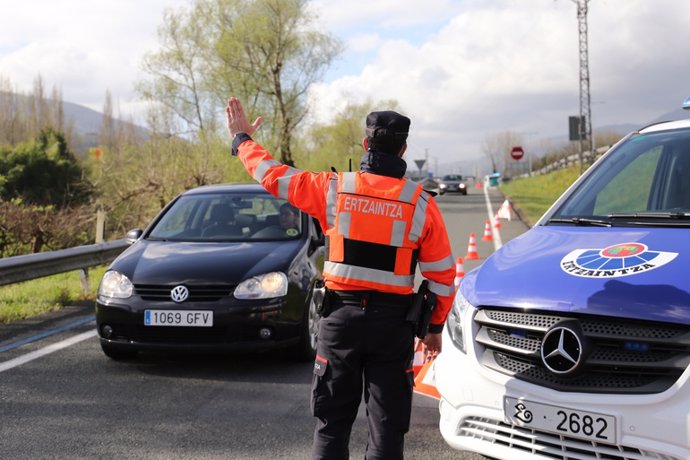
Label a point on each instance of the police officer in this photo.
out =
(378, 227)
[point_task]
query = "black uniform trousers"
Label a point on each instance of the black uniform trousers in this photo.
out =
(365, 346)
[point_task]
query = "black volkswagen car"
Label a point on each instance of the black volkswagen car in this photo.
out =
(221, 268)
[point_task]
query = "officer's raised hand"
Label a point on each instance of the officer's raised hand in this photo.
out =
(237, 120)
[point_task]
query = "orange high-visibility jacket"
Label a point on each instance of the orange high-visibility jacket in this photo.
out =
(377, 227)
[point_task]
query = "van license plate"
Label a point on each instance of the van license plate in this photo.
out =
(561, 420)
(187, 318)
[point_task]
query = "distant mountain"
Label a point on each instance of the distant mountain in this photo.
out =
(678, 114)
(87, 124)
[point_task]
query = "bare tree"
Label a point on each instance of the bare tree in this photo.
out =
(497, 148)
(265, 51)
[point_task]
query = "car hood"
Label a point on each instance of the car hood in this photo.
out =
(642, 274)
(164, 262)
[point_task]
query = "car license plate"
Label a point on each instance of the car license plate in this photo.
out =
(561, 420)
(188, 318)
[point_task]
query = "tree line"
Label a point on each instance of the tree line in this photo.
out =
(267, 52)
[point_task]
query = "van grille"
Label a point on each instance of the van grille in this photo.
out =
(624, 356)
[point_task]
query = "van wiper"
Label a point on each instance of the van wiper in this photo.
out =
(651, 215)
(584, 221)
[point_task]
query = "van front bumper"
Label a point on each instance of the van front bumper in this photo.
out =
(475, 416)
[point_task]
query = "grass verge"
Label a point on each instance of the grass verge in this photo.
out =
(30, 298)
(532, 196)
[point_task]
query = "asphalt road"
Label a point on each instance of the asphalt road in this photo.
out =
(61, 398)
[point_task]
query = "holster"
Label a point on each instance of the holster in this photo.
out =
(421, 309)
(326, 306)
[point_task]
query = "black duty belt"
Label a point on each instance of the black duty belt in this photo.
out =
(373, 298)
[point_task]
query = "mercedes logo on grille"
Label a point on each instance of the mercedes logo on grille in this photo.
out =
(179, 294)
(562, 348)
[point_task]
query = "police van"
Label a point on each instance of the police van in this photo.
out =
(573, 340)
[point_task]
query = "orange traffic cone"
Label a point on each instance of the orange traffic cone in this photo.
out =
(424, 382)
(472, 253)
(505, 211)
(487, 231)
(459, 272)
(497, 221)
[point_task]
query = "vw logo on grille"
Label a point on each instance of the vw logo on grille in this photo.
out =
(179, 294)
(562, 348)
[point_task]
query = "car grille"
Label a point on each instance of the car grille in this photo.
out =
(626, 356)
(548, 445)
(197, 293)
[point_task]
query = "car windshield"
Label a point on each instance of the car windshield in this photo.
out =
(213, 217)
(452, 177)
(645, 181)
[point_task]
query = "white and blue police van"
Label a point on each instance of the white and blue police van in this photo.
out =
(573, 340)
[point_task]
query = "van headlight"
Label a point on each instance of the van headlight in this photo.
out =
(115, 285)
(274, 284)
(455, 321)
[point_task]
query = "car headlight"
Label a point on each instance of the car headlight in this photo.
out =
(115, 285)
(461, 186)
(455, 324)
(443, 186)
(264, 286)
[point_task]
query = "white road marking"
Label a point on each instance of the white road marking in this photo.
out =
(494, 231)
(46, 350)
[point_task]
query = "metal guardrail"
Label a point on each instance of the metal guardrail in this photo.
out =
(32, 266)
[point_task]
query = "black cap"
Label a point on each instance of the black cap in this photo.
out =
(387, 124)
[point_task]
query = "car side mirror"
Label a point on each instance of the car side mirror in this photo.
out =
(134, 235)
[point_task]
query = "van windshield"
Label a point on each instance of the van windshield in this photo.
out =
(647, 178)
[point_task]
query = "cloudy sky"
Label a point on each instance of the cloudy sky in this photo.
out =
(462, 70)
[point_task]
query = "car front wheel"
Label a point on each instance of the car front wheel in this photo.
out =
(305, 350)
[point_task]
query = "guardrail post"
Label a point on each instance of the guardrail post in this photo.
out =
(100, 225)
(84, 278)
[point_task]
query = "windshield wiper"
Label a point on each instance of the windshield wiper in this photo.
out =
(651, 215)
(584, 221)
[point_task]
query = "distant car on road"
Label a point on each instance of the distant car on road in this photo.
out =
(219, 269)
(452, 183)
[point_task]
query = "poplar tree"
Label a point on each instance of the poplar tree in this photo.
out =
(267, 52)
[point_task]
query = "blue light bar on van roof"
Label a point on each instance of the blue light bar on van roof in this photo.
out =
(686, 104)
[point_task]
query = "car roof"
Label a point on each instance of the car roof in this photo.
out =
(226, 188)
(666, 125)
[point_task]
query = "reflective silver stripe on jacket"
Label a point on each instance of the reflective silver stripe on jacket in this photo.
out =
(345, 218)
(331, 201)
(368, 274)
(349, 182)
(441, 289)
(419, 217)
(408, 191)
(438, 266)
(398, 233)
(263, 167)
(284, 182)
